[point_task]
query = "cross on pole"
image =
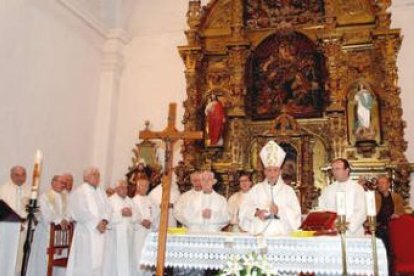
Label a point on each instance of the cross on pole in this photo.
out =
(169, 135)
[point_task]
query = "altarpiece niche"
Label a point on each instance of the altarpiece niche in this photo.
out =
(301, 73)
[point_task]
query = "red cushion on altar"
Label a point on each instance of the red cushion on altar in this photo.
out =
(402, 243)
(319, 221)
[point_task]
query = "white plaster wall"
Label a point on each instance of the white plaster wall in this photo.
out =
(49, 80)
(403, 17)
(153, 76)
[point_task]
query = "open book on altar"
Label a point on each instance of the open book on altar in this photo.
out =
(8, 214)
(323, 222)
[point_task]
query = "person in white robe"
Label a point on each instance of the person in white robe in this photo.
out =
(354, 197)
(68, 178)
(236, 200)
(90, 210)
(118, 259)
(12, 235)
(145, 221)
(206, 211)
(52, 210)
(185, 198)
(156, 195)
(271, 207)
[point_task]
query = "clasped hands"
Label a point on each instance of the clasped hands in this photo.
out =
(126, 212)
(102, 226)
(265, 214)
(64, 224)
(146, 223)
(206, 213)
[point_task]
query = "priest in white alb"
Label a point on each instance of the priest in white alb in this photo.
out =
(236, 200)
(90, 210)
(144, 209)
(354, 197)
(206, 211)
(271, 207)
(52, 210)
(155, 196)
(185, 198)
(118, 258)
(12, 235)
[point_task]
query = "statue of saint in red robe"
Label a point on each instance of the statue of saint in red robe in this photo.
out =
(215, 119)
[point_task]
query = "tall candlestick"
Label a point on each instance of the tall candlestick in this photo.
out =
(340, 204)
(370, 202)
(32, 208)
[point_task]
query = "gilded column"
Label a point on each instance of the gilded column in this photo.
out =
(191, 56)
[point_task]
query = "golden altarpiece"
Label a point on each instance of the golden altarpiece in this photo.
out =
(317, 76)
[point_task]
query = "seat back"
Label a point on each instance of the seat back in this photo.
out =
(402, 243)
(60, 241)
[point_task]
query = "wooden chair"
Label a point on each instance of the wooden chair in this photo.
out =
(58, 251)
(402, 244)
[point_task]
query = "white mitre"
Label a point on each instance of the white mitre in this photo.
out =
(272, 155)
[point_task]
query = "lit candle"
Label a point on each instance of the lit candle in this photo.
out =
(370, 201)
(39, 157)
(340, 204)
(36, 174)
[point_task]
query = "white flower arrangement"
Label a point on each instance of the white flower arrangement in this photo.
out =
(251, 264)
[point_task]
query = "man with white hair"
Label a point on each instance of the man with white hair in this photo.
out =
(145, 221)
(12, 235)
(52, 210)
(118, 258)
(68, 178)
(90, 210)
(271, 207)
(207, 211)
(182, 202)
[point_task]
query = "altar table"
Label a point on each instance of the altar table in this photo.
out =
(288, 255)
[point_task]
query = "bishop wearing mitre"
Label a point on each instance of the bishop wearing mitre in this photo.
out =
(271, 207)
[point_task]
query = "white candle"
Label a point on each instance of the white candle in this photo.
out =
(370, 201)
(340, 204)
(36, 174)
(38, 157)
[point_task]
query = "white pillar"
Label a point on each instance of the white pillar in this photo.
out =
(107, 112)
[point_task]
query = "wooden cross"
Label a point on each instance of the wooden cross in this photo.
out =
(169, 135)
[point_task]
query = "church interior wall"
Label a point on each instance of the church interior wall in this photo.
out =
(48, 82)
(153, 76)
(402, 17)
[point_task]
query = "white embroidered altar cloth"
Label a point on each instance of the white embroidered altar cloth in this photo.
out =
(321, 255)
